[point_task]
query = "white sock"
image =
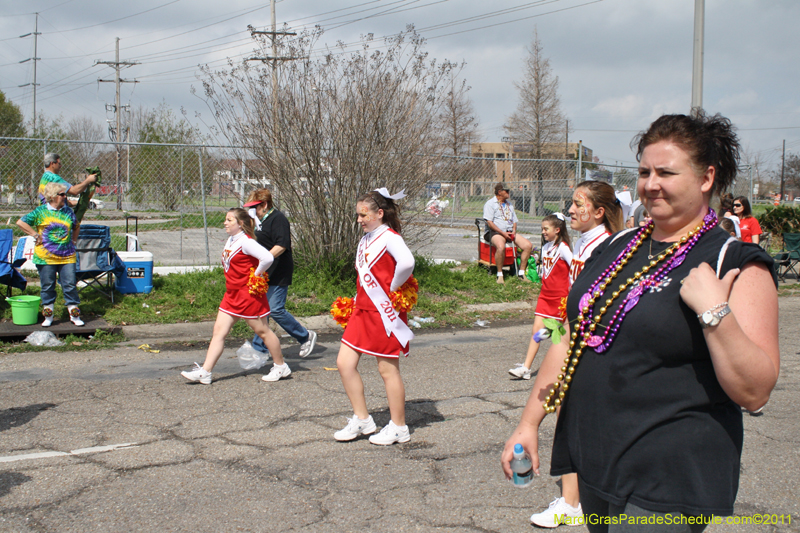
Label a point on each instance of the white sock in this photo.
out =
(500, 274)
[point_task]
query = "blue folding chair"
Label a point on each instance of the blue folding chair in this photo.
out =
(9, 275)
(97, 262)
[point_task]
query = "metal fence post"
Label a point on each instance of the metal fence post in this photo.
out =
(181, 203)
(203, 195)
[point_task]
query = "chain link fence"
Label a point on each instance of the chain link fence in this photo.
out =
(178, 194)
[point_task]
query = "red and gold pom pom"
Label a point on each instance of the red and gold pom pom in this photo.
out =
(257, 285)
(341, 309)
(404, 298)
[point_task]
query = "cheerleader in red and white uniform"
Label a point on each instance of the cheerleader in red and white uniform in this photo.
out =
(554, 272)
(596, 213)
(244, 261)
(384, 263)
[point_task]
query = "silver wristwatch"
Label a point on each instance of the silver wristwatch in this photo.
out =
(712, 318)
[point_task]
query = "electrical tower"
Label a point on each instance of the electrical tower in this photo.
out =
(116, 133)
(36, 35)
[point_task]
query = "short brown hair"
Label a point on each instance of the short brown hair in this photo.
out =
(262, 196)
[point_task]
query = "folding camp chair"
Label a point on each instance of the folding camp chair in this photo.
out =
(97, 261)
(787, 260)
(9, 275)
(486, 251)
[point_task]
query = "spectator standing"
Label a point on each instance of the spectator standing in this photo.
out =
(52, 166)
(748, 224)
(274, 234)
(52, 226)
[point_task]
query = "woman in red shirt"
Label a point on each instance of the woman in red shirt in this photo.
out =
(747, 222)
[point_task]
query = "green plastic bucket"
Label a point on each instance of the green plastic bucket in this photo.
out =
(24, 309)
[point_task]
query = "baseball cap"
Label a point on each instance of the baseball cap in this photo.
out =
(500, 187)
(253, 203)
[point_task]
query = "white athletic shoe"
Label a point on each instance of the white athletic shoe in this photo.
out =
(307, 347)
(278, 372)
(198, 373)
(390, 434)
(355, 427)
(520, 371)
(559, 513)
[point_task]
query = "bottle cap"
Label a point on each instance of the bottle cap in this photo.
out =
(518, 449)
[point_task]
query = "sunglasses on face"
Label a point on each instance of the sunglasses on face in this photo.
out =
(62, 194)
(737, 205)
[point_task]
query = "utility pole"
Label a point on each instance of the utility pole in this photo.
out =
(36, 35)
(117, 132)
(783, 165)
(697, 59)
(274, 34)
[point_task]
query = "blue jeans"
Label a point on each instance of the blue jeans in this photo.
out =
(66, 275)
(276, 296)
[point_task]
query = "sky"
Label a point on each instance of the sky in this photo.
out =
(620, 63)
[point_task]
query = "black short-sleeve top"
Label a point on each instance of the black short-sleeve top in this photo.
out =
(647, 421)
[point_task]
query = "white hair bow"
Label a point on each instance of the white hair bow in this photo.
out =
(560, 216)
(383, 191)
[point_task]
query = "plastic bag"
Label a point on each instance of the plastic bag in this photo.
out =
(533, 275)
(250, 358)
(43, 338)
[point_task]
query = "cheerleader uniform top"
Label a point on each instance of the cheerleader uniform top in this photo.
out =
(384, 263)
(584, 246)
(554, 271)
(241, 253)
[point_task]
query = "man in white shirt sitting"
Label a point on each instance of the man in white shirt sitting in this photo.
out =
(501, 227)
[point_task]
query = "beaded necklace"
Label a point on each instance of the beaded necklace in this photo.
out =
(587, 323)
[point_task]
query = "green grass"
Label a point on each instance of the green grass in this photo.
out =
(195, 296)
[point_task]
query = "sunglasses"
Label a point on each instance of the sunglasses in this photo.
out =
(737, 205)
(62, 194)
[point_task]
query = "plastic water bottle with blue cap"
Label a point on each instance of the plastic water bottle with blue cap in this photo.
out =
(521, 467)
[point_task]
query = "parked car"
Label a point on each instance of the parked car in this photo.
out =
(94, 203)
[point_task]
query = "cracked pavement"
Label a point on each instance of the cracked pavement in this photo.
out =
(245, 455)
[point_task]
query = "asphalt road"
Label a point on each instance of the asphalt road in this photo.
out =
(245, 455)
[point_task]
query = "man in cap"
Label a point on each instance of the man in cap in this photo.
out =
(274, 234)
(501, 227)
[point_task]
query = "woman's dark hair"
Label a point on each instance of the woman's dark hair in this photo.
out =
(709, 141)
(601, 194)
(728, 225)
(726, 203)
(745, 206)
(244, 220)
(375, 201)
(561, 225)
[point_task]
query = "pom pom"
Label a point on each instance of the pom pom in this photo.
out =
(257, 285)
(341, 309)
(404, 298)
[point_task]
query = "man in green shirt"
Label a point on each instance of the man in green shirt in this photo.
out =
(52, 166)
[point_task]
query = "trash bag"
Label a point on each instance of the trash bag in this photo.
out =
(533, 275)
(43, 338)
(250, 358)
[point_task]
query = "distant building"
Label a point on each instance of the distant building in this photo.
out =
(504, 154)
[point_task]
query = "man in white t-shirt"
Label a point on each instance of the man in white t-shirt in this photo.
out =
(501, 227)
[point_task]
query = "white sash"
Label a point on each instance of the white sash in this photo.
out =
(232, 247)
(364, 261)
(549, 260)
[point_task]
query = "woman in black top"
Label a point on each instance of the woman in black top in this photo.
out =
(672, 327)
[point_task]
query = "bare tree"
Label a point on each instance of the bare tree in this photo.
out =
(538, 119)
(84, 128)
(457, 118)
(344, 124)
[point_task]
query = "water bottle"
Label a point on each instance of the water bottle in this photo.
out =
(521, 467)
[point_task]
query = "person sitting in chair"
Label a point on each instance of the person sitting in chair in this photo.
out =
(501, 227)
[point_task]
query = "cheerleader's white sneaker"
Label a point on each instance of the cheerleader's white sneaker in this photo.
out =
(355, 427)
(390, 434)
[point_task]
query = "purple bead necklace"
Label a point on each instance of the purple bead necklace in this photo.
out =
(587, 323)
